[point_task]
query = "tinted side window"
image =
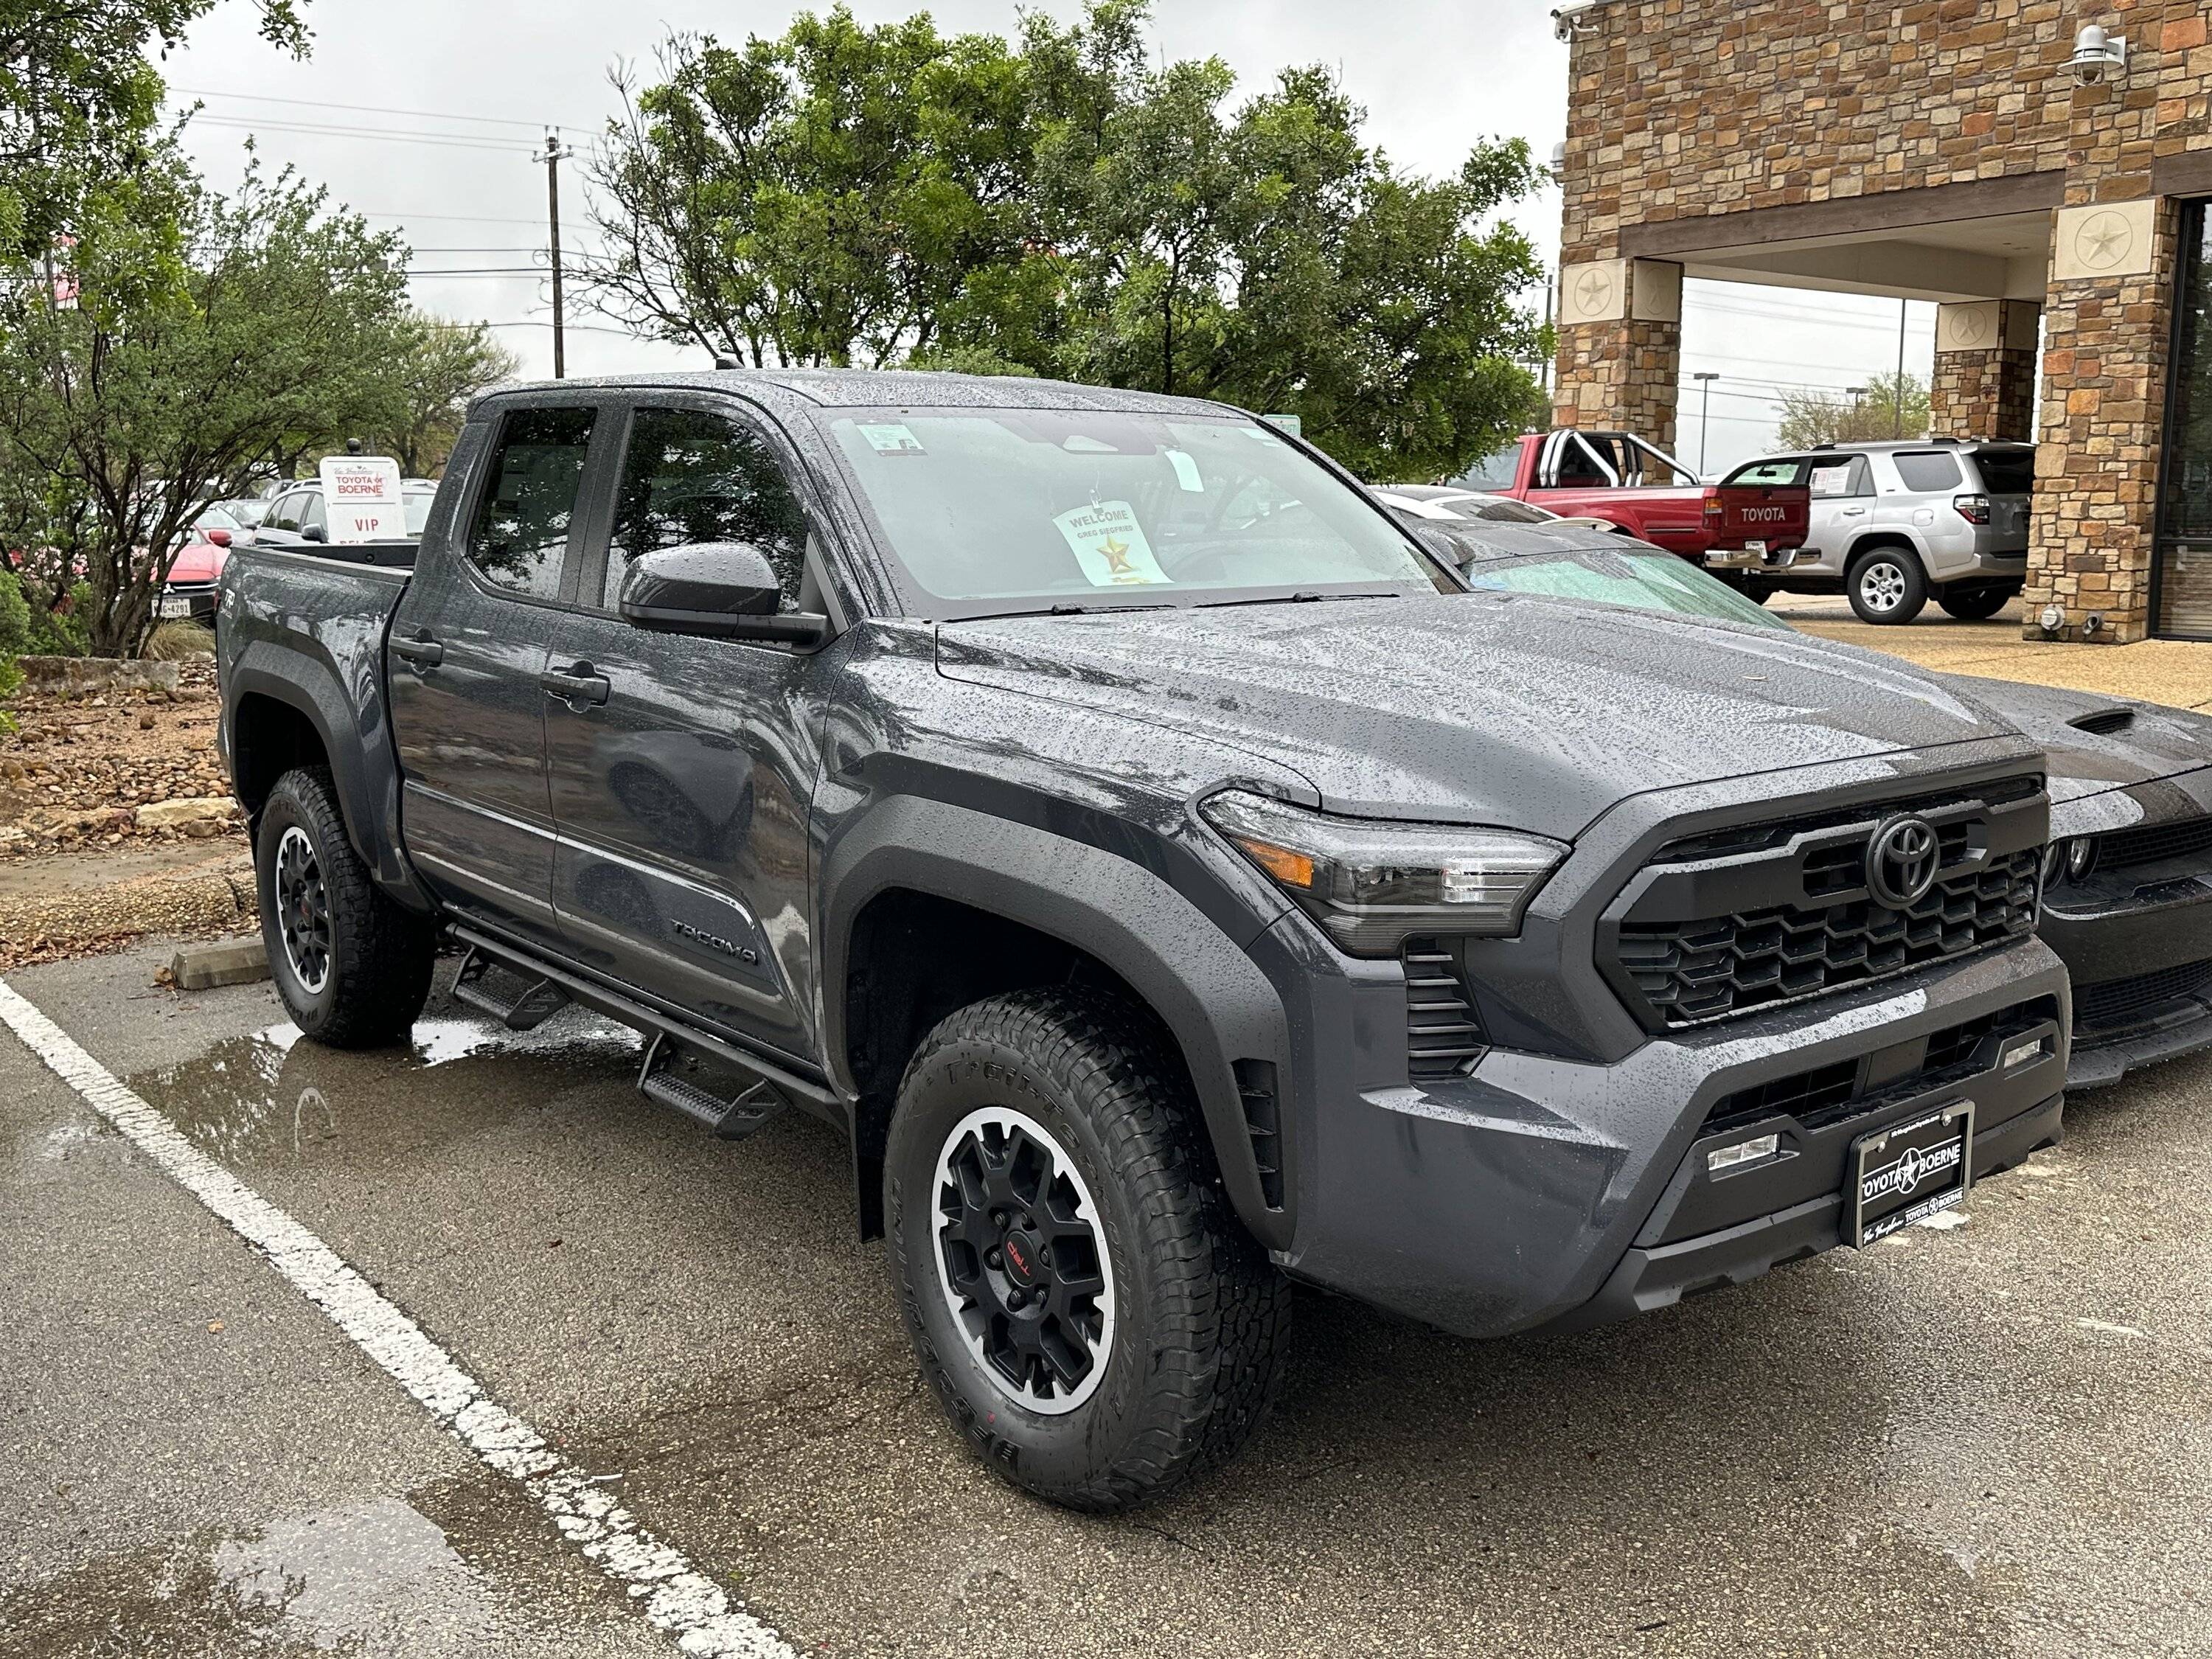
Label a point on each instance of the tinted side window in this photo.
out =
(2007, 471)
(1925, 473)
(311, 511)
(692, 477)
(521, 530)
(285, 512)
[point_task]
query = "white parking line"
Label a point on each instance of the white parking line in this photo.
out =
(673, 1594)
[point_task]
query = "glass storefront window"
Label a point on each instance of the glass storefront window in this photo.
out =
(2183, 593)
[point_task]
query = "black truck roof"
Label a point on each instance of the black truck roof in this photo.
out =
(876, 388)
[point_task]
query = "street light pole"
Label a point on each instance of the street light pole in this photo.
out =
(1705, 376)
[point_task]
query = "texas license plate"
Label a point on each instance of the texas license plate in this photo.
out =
(1908, 1171)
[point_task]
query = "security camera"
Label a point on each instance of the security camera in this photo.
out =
(2098, 57)
(1572, 18)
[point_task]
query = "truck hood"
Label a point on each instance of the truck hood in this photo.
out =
(2096, 743)
(1511, 710)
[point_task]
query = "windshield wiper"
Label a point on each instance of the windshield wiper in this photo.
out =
(1290, 598)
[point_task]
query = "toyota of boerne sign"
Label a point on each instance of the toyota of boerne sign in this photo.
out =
(360, 499)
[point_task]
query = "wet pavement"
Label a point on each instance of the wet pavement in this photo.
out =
(1985, 1438)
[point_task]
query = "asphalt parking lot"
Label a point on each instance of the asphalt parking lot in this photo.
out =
(1986, 1438)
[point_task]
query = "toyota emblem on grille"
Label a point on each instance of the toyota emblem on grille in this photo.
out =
(1901, 862)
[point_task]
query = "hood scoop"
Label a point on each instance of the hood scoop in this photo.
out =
(2103, 722)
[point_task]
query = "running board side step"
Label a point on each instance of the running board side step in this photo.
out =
(755, 1105)
(668, 1034)
(539, 999)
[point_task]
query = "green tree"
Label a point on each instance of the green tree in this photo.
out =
(852, 195)
(209, 334)
(441, 367)
(1893, 406)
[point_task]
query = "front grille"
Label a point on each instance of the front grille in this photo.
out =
(1691, 971)
(1443, 1033)
(1776, 832)
(2154, 843)
(1829, 1094)
(2119, 1003)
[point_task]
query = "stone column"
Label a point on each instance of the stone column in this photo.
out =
(2106, 328)
(1985, 380)
(1620, 348)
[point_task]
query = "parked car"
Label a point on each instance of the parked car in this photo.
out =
(190, 589)
(248, 511)
(296, 517)
(1755, 518)
(1895, 524)
(1094, 807)
(2127, 888)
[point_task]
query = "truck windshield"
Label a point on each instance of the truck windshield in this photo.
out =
(1034, 509)
(1642, 581)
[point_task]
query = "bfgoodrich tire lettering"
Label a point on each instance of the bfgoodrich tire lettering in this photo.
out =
(1200, 1318)
(352, 968)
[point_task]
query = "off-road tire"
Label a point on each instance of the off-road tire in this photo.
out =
(1202, 1317)
(1977, 604)
(381, 955)
(1909, 582)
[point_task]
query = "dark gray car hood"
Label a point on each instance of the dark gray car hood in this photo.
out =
(2153, 742)
(1511, 710)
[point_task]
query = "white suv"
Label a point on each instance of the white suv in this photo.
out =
(1895, 524)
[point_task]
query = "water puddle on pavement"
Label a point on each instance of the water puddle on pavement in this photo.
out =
(371, 1576)
(268, 1097)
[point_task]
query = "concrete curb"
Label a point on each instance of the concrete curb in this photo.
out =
(223, 962)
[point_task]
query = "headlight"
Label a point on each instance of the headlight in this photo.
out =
(2070, 860)
(1373, 885)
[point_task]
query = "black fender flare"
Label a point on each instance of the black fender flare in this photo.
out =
(368, 803)
(1215, 1001)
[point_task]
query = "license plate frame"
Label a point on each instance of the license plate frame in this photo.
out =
(1905, 1155)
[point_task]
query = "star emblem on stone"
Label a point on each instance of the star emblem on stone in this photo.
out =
(1967, 327)
(2103, 241)
(1592, 292)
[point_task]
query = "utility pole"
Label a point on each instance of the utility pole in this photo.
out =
(1897, 389)
(1705, 376)
(554, 155)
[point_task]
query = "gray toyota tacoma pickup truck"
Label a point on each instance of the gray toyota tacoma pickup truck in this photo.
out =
(1168, 880)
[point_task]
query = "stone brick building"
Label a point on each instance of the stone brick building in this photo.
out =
(1945, 150)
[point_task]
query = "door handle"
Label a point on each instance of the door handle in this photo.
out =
(423, 652)
(576, 683)
(1850, 512)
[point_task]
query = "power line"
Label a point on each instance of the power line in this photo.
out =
(442, 141)
(372, 109)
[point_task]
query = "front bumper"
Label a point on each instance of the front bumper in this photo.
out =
(1537, 1193)
(2137, 1001)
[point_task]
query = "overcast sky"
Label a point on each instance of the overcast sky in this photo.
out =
(1435, 75)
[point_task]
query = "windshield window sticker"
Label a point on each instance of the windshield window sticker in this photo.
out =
(1109, 544)
(1829, 480)
(896, 439)
(1186, 472)
(1261, 434)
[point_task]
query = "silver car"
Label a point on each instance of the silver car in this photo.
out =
(1895, 524)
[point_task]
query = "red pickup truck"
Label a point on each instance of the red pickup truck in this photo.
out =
(1750, 521)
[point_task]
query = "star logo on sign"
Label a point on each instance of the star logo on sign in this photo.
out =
(2103, 241)
(1967, 327)
(1117, 556)
(1592, 292)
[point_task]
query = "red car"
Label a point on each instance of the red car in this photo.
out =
(189, 591)
(1750, 520)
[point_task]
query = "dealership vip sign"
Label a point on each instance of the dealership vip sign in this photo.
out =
(360, 499)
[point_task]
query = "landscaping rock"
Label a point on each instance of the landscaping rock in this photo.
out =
(188, 813)
(82, 677)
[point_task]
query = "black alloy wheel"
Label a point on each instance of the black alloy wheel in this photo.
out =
(303, 909)
(1020, 1261)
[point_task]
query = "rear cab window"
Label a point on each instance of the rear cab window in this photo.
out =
(518, 539)
(1784, 471)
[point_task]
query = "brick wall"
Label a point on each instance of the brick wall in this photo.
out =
(1679, 108)
(1982, 394)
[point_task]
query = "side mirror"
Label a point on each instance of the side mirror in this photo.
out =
(727, 590)
(311, 532)
(220, 537)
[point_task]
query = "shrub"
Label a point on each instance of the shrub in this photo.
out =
(15, 639)
(173, 642)
(65, 630)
